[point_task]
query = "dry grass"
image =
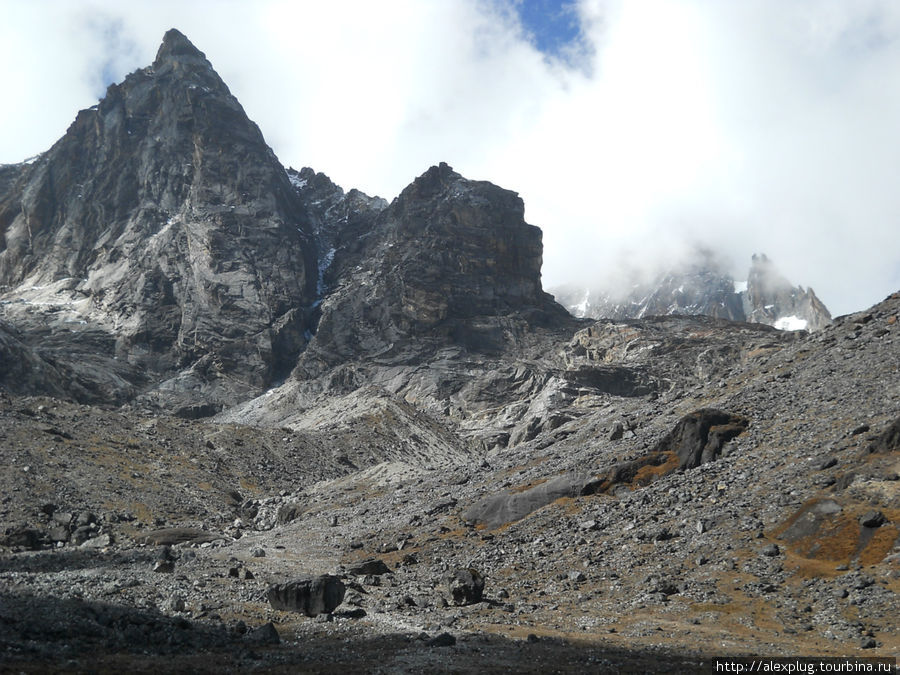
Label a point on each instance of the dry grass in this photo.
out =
(839, 539)
(649, 473)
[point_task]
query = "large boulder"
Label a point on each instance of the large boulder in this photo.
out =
(464, 586)
(888, 440)
(699, 436)
(312, 596)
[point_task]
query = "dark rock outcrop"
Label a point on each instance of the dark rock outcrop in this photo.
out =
(615, 380)
(699, 437)
(463, 586)
(450, 261)
(314, 596)
(372, 566)
(888, 440)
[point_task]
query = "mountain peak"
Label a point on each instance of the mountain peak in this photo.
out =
(702, 286)
(176, 47)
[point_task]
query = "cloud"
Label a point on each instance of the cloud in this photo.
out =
(766, 126)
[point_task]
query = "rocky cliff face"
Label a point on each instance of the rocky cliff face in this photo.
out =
(450, 261)
(164, 217)
(702, 286)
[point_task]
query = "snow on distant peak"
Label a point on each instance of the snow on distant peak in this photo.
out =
(791, 323)
(580, 310)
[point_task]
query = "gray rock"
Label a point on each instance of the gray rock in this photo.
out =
(616, 433)
(312, 596)
(178, 535)
(164, 566)
(888, 440)
(770, 550)
(263, 635)
(289, 512)
(100, 541)
(372, 566)
(872, 519)
(22, 537)
(442, 640)
(507, 507)
(463, 586)
(175, 603)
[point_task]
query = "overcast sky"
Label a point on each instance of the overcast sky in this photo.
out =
(633, 130)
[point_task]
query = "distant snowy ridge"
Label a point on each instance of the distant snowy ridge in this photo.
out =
(702, 287)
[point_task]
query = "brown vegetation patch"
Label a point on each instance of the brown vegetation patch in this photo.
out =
(569, 505)
(527, 486)
(826, 531)
(650, 472)
(880, 545)
(249, 484)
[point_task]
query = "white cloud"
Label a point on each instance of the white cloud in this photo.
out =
(764, 126)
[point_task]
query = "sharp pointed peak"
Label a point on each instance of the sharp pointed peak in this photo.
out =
(176, 46)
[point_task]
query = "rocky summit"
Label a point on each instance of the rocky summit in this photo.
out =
(252, 421)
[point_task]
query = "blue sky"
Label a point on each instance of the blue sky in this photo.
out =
(633, 129)
(552, 25)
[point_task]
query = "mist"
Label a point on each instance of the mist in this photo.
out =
(768, 126)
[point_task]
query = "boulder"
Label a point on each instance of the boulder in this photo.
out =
(312, 596)
(872, 519)
(442, 640)
(372, 566)
(888, 440)
(263, 635)
(699, 436)
(22, 537)
(178, 535)
(464, 586)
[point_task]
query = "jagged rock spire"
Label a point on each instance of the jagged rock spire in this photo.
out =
(176, 46)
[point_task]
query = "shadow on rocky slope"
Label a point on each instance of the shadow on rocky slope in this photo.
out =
(50, 634)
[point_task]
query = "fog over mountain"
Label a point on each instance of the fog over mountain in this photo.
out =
(653, 128)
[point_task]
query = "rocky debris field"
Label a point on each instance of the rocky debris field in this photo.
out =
(163, 542)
